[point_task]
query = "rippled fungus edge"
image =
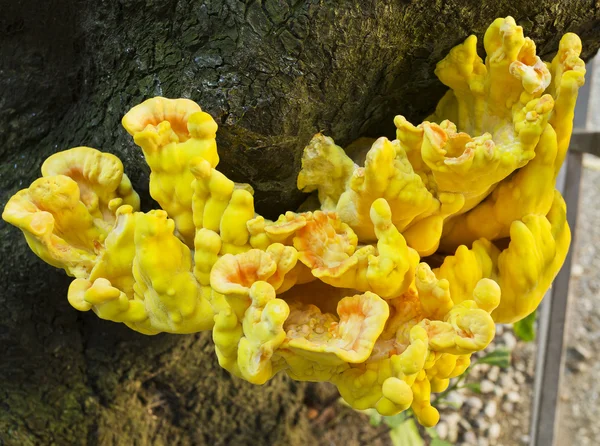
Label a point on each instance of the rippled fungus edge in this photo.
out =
(347, 293)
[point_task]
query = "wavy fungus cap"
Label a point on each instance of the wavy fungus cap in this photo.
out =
(387, 287)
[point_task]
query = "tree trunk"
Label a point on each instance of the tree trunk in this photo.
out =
(272, 73)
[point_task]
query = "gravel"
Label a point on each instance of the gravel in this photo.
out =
(579, 407)
(498, 414)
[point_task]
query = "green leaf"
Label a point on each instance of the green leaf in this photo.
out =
(473, 387)
(395, 420)
(406, 434)
(432, 432)
(375, 419)
(499, 357)
(525, 328)
(443, 402)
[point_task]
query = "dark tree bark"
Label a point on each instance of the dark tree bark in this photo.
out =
(272, 73)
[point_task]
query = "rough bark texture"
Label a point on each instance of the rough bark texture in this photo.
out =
(272, 73)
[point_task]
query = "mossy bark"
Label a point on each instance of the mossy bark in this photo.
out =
(272, 73)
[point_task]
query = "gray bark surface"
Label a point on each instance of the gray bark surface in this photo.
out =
(272, 73)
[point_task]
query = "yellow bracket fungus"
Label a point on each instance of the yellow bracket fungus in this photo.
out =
(343, 293)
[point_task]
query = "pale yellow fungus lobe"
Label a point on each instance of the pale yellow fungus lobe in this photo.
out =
(103, 185)
(171, 133)
(53, 204)
(349, 339)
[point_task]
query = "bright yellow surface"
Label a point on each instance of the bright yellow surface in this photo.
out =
(343, 293)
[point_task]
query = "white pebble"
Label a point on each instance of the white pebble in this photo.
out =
(583, 352)
(494, 432)
(453, 433)
(442, 430)
(494, 373)
(482, 425)
(475, 374)
(456, 399)
(491, 409)
(452, 420)
(474, 403)
(470, 439)
(483, 368)
(506, 381)
(513, 397)
(508, 407)
(487, 386)
(466, 426)
(509, 340)
(576, 270)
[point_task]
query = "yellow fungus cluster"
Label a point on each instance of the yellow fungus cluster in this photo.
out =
(343, 293)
